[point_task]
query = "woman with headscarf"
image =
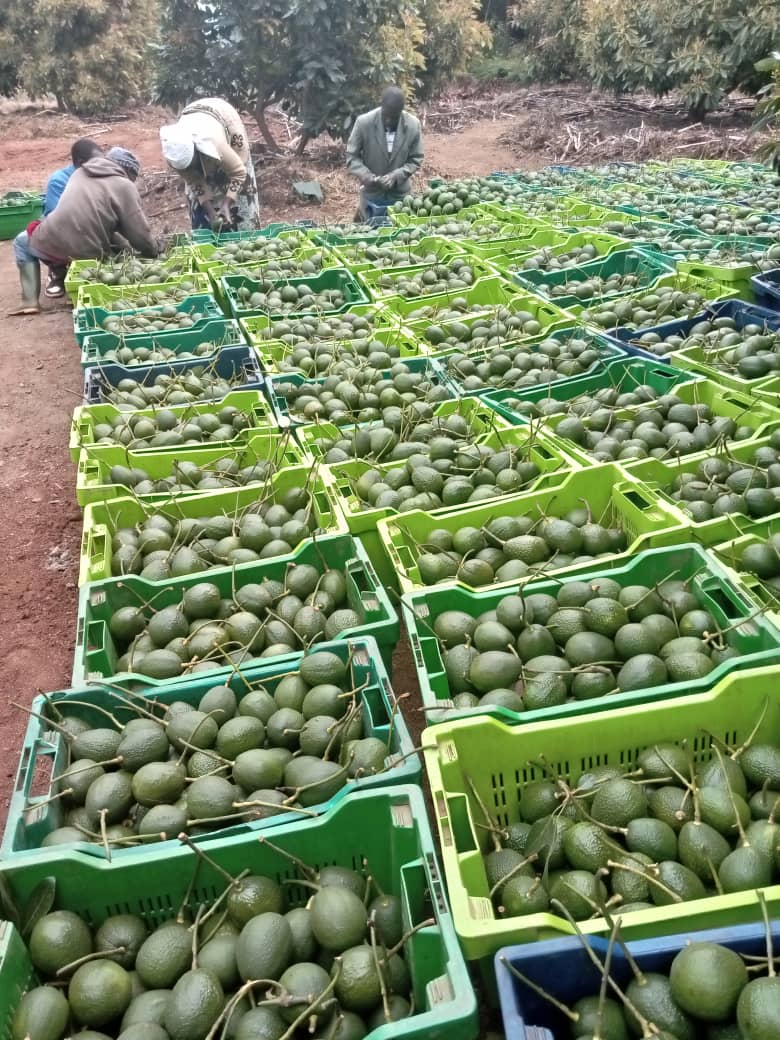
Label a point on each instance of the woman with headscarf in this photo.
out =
(208, 147)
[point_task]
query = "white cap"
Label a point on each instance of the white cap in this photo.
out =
(179, 141)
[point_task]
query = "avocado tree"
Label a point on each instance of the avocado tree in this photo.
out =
(768, 108)
(92, 55)
(703, 49)
(324, 61)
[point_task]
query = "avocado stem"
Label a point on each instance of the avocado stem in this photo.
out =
(737, 752)
(97, 955)
(304, 868)
(380, 973)
(221, 898)
(186, 840)
(490, 822)
(427, 923)
(510, 874)
(646, 876)
(535, 988)
(648, 1029)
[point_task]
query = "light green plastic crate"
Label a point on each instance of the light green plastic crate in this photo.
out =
(93, 481)
(500, 760)
(613, 499)
(103, 519)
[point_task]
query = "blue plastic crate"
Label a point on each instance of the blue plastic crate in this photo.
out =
(766, 289)
(742, 313)
(563, 969)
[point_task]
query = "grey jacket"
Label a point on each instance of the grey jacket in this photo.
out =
(367, 156)
(99, 204)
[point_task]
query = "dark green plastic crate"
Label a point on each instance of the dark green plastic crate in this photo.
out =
(31, 817)
(388, 830)
(96, 655)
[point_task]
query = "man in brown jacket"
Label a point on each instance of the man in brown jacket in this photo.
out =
(99, 213)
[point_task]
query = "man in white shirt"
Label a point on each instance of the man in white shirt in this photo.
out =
(383, 151)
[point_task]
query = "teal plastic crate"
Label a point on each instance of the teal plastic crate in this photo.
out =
(385, 833)
(458, 365)
(624, 262)
(624, 374)
(107, 347)
(149, 321)
(756, 639)
(427, 367)
(31, 817)
(336, 278)
(96, 653)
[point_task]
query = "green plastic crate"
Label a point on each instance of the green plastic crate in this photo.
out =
(261, 329)
(723, 402)
(203, 252)
(658, 476)
(18, 209)
(400, 219)
(391, 297)
(704, 362)
(647, 268)
(103, 519)
(443, 249)
(17, 974)
(559, 242)
(496, 250)
(571, 212)
(730, 551)
(274, 355)
(201, 308)
(487, 293)
(362, 520)
(623, 373)
(93, 483)
(335, 278)
(482, 422)
(711, 291)
(428, 367)
(608, 351)
(612, 498)
(82, 437)
(499, 760)
(253, 269)
(180, 261)
(96, 656)
(223, 331)
(757, 640)
(388, 830)
(31, 817)
(92, 295)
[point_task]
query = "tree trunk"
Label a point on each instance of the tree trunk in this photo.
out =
(303, 140)
(265, 130)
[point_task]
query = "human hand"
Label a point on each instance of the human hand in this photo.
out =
(224, 211)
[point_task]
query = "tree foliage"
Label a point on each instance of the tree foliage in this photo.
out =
(93, 55)
(702, 48)
(768, 108)
(323, 60)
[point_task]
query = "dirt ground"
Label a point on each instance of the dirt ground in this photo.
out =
(468, 133)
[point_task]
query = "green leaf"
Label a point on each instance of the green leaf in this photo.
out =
(8, 908)
(38, 905)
